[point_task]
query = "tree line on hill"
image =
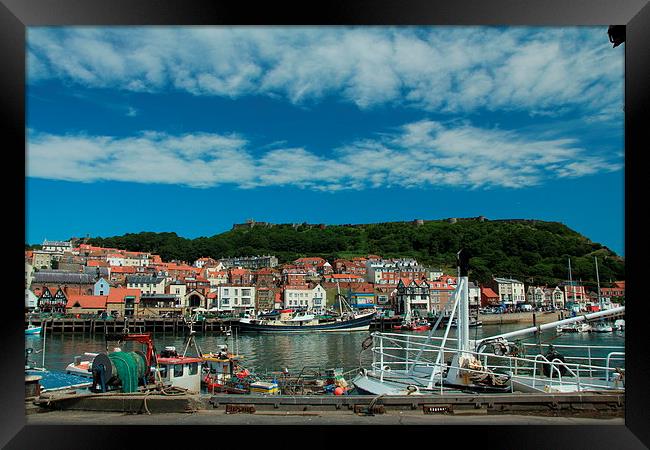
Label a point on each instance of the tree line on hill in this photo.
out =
(531, 251)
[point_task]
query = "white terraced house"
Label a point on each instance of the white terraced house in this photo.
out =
(236, 298)
(146, 284)
(304, 297)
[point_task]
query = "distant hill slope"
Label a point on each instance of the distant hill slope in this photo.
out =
(522, 249)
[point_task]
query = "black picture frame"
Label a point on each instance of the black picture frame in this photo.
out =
(16, 15)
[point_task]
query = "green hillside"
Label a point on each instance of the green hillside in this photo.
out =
(523, 249)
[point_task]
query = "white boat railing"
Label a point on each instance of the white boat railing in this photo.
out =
(391, 359)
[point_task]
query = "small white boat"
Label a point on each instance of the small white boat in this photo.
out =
(82, 367)
(619, 325)
(574, 328)
(33, 329)
(602, 327)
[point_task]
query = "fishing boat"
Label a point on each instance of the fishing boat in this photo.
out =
(291, 321)
(51, 380)
(417, 325)
(430, 364)
(33, 329)
(220, 369)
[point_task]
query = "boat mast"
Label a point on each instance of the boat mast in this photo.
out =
(600, 301)
(463, 310)
(338, 296)
(573, 292)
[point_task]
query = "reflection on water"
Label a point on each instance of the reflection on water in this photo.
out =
(277, 351)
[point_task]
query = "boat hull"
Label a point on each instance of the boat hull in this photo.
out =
(35, 330)
(358, 324)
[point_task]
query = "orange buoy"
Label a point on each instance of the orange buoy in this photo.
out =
(338, 391)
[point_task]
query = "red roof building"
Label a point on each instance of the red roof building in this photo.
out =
(489, 297)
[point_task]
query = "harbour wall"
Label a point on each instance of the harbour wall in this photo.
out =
(525, 318)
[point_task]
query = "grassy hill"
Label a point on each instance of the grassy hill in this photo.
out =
(523, 249)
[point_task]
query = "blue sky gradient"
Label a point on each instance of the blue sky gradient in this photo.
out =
(193, 129)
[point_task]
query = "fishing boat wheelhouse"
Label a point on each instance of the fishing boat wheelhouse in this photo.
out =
(219, 369)
(179, 371)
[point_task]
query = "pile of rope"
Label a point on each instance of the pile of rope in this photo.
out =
(482, 375)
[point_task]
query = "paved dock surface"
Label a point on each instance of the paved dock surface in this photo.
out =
(219, 417)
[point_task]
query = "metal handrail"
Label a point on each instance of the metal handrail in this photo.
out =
(608, 360)
(387, 359)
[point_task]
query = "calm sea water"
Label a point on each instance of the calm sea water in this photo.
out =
(272, 352)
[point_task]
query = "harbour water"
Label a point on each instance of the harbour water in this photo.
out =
(272, 352)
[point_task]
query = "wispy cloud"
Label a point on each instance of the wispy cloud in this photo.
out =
(417, 155)
(446, 69)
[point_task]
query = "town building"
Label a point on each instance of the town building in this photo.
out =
(41, 259)
(195, 299)
(305, 297)
(250, 262)
(294, 276)
(31, 300)
(205, 262)
(474, 294)
(615, 293)
(56, 246)
(575, 294)
(178, 289)
(71, 283)
(101, 287)
(160, 304)
(344, 278)
(146, 284)
(235, 298)
(266, 277)
(535, 295)
(240, 276)
(440, 294)
(86, 304)
(510, 291)
(489, 297)
(356, 266)
(391, 271)
(266, 297)
(52, 299)
(413, 297)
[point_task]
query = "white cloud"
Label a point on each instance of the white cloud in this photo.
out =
(448, 69)
(418, 155)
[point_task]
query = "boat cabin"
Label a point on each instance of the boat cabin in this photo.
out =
(180, 371)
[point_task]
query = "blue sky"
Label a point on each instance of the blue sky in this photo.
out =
(193, 129)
